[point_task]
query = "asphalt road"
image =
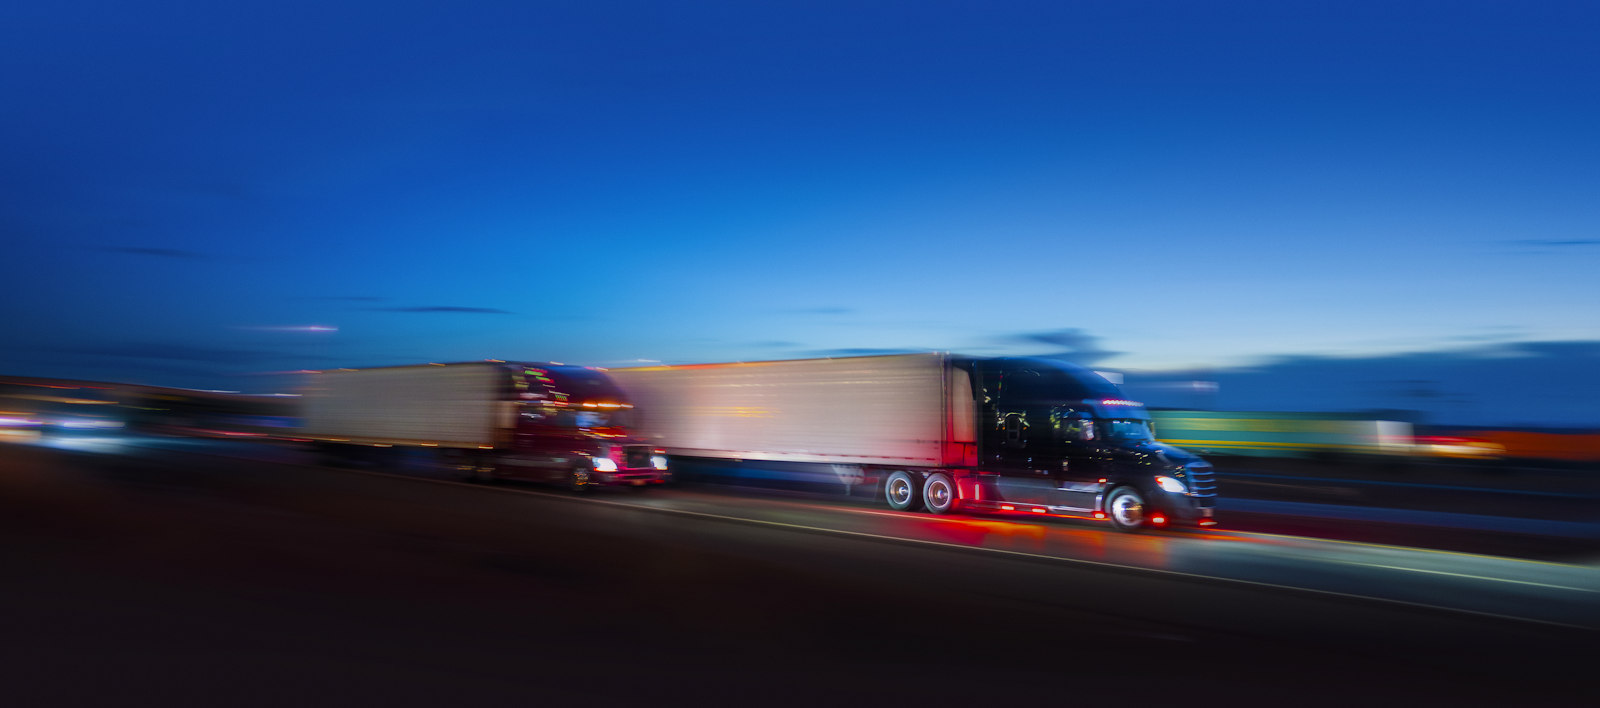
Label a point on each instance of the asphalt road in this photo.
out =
(166, 573)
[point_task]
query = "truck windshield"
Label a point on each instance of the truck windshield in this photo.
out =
(1126, 429)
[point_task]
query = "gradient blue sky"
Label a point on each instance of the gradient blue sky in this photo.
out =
(1192, 184)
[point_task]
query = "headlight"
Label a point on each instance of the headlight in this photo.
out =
(604, 464)
(659, 462)
(1171, 485)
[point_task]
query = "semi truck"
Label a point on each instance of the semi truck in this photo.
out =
(542, 422)
(937, 432)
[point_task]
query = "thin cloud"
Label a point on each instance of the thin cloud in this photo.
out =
(1558, 242)
(820, 311)
(446, 308)
(147, 251)
(862, 352)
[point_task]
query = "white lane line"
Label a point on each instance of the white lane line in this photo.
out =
(1464, 575)
(937, 544)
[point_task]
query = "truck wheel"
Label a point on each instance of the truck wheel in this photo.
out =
(939, 493)
(1125, 509)
(484, 473)
(902, 492)
(580, 480)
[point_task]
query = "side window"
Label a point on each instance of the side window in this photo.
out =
(1073, 426)
(1014, 426)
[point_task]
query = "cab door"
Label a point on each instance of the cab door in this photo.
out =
(1081, 467)
(1021, 441)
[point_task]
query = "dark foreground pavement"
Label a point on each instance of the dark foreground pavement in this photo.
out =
(162, 578)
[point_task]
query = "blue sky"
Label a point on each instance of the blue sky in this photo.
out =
(1192, 184)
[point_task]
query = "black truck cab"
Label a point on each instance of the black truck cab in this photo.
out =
(1059, 439)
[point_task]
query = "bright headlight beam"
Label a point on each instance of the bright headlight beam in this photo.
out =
(1169, 484)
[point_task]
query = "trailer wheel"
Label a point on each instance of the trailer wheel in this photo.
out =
(1126, 509)
(902, 492)
(939, 493)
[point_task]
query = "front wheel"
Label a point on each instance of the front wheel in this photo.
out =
(1126, 509)
(580, 480)
(939, 493)
(902, 492)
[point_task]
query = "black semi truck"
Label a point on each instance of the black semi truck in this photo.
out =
(933, 431)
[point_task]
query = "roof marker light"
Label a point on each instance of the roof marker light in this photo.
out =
(1119, 402)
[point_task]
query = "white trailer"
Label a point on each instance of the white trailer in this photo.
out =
(457, 405)
(892, 411)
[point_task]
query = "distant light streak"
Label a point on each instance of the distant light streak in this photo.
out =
(294, 328)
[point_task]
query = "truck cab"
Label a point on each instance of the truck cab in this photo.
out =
(574, 426)
(1058, 439)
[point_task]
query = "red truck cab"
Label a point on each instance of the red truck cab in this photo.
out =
(574, 426)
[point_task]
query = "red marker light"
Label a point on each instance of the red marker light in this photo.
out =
(1208, 522)
(1158, 519)
(1007, 507)
(1099, 515)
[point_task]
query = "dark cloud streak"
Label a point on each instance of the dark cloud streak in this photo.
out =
(446, 308)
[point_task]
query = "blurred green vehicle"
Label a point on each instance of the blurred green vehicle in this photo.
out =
(1276, 434)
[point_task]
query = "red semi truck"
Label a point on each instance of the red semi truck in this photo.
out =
(542, 422)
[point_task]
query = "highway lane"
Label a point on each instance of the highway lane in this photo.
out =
(163, 573)
(1555, 593)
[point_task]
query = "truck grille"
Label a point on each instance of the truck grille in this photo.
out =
(1203, 485)
(636, 456)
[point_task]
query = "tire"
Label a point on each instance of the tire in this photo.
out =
(939, 494)
(1126, 509)
(902, 492)
(580, 480)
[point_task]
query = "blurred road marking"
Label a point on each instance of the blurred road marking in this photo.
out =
(1464, 575)
(1370, 544)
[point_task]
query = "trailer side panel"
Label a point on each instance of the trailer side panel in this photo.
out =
(459, 405)
(885, 410)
